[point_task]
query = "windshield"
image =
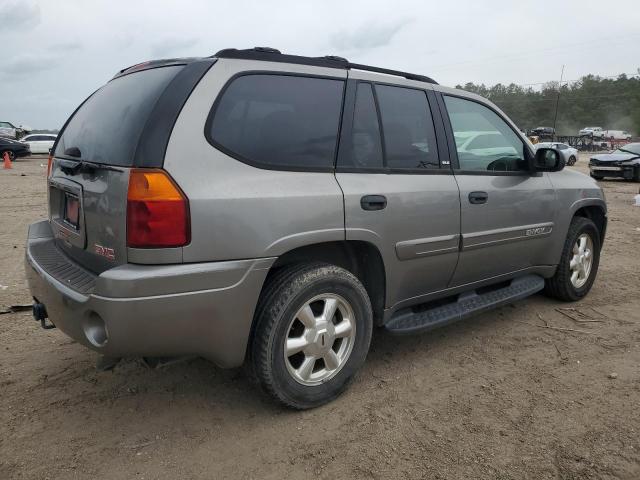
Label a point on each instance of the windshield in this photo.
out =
(629, 148)
(107, 127)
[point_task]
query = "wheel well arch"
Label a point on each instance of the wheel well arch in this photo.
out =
(361, 258)
(597, 215)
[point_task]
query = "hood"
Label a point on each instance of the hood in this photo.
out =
(614, 157)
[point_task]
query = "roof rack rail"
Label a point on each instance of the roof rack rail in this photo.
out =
(330, 61)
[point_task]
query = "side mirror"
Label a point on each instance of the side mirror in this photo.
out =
(548, 160)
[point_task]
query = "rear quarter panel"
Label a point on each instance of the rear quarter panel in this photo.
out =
(239, 211)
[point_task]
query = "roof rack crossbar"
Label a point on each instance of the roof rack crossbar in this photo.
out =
(330, 61)
(387, 71)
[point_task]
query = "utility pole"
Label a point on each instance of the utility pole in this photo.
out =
(555, 118)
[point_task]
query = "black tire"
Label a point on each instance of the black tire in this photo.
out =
(636, 174)
(559, 286)
(596, 177)
(12, 155)
(572, 160)
(287, 291)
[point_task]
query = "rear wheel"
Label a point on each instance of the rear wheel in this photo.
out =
(578, 265)
(312, 334)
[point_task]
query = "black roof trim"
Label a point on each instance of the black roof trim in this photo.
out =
(155, 63)
(267, 54)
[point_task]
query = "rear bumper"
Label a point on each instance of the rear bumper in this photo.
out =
(203, 309)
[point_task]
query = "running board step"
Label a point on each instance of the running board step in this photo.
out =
(409, 321)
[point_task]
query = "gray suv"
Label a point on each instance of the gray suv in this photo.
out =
(268, 209)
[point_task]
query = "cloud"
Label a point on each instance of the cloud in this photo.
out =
(172, 46)
(26, 64)
(65, 47)
(19, 15)
(367, 36)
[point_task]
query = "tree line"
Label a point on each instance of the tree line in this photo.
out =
(610, 103)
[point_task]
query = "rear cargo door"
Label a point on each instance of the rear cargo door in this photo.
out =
(92, 160)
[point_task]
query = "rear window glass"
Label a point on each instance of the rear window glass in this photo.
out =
(409, 136)
(279, 121)
(107, 127)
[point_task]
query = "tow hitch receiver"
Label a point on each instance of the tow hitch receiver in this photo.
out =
(40, 314)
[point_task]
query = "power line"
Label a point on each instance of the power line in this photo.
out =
(524, 99)
(567, 82)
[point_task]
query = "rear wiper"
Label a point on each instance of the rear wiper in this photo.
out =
(73, 152)
(71, 167)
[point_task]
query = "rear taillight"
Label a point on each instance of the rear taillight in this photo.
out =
(49, 165)
(157, 211)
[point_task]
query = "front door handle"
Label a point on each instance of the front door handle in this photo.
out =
(478, 197)
(373, 202)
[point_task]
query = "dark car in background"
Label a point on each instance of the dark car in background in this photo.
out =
(14, 148)
(623, 162)
(543, 131)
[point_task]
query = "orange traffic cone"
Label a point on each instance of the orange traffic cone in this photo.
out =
(7, 160)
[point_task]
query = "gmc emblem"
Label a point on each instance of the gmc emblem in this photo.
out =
(106, 252)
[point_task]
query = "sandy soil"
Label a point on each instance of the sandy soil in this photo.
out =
(497, 396)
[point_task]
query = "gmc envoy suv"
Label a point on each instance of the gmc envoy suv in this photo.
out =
(268, 209)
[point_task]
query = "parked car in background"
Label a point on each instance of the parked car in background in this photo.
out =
(543, 131)
(616, 135)
(40, 142)
(14, 148)
(621, 163)
(482, 143)
(568, 153)
(9, 130)
(595, 132)
(273, 209)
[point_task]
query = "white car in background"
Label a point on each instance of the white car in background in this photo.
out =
(569, 153)
(594, 132)
(40, 142)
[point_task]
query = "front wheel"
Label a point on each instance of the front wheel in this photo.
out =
(578, 265)
(636, 174)
(312, 333)
(572, 160)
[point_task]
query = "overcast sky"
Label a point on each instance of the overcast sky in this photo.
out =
(54, 53)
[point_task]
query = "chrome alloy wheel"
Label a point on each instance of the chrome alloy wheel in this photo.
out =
(581, 261)
(319, 339)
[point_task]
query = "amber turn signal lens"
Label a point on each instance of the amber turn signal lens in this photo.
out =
(157, 211)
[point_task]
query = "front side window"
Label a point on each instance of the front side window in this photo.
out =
(409, 136)
(279, 121)
(484, 141)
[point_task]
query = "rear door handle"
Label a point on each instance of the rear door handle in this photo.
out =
(478, 197)
(373, 202)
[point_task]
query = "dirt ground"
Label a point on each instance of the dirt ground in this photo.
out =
(497, 396)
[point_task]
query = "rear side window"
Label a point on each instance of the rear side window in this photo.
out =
(366, 143)
(278, 121)
(409, 137)
(107, 127)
